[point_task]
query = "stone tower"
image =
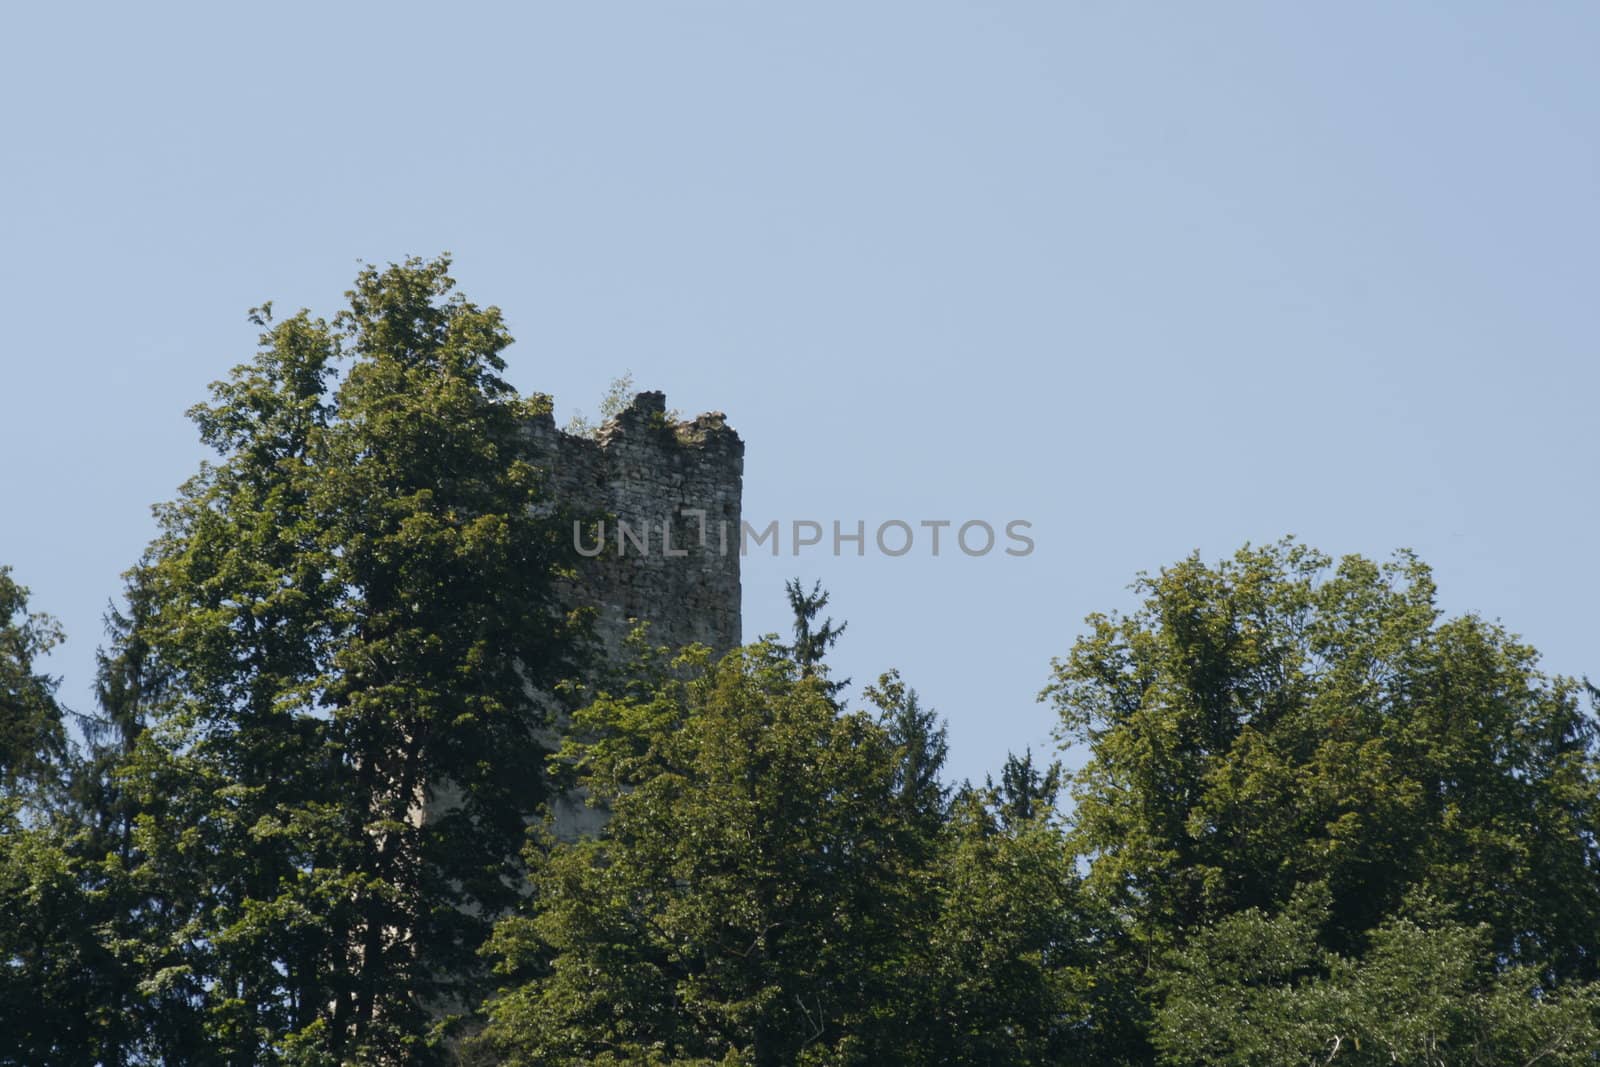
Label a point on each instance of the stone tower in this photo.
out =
(667, 550)
(669, 493)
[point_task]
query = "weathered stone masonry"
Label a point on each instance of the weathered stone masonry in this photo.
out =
(642, 469)
(640, 472)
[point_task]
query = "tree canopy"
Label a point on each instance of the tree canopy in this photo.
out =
(769, 890)
(1313, 820)
(1280, 723)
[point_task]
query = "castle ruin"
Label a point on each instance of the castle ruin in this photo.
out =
(666, 549)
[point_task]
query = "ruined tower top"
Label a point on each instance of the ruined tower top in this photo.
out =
(669, 492)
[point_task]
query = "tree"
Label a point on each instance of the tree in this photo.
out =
(64, 993)
(33, 742)
(44, 937)
(47, 946)
(1025, 792)
(619, 394)
(446, 619)
(347, 612)
(812, 642)
(1278, 720)
(745, 901)
(123, 931)
(784, 882)
(920, 748)
(1001, 970)
(1260, 991)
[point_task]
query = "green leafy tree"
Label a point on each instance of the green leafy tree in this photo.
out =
(1278, 720)
(920, 746)
(128, 929)
(347, 610)
(129, 682)
(33, 741)
(66, 994)
(1260, 991)
(1000, 971)
(744, 901)
(45, 941)
(48, 946)
(782, 882)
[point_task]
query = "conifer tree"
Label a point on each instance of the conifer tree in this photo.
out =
(812, 642)
(1024, 791)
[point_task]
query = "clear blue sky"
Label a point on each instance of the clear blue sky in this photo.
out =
(1155, 280)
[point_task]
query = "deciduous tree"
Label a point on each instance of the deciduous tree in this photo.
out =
(1278, 720)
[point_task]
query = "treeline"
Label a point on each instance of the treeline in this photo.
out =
(1318, 822)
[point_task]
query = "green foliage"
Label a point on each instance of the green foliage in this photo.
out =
(344, 614)
(1278, 720)
(742, 900)
(1024, 792)
(920, 749)
(42, 940)
(1319, 823)
(33, 742)
(1001, 967)
(61, 982)
(1260, 991)
(812, 642)
(619, 394)
(781, 882)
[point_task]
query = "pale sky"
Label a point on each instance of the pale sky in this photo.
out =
(1153, 279)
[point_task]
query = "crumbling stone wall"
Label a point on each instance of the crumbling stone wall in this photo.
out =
(642, 473)
(660, 543)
